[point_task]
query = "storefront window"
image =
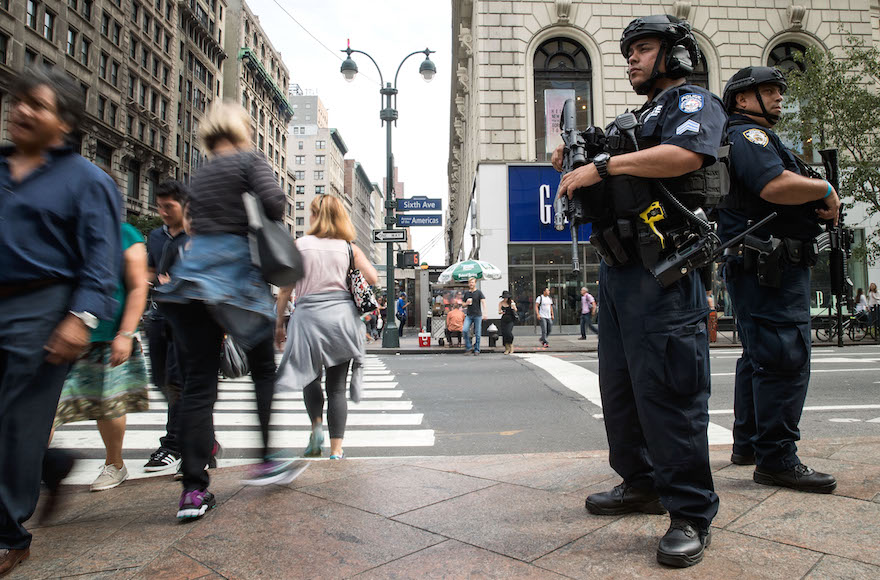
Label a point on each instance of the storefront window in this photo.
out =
(520, 254)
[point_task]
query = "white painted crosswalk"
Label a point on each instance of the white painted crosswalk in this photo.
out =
(383, 419)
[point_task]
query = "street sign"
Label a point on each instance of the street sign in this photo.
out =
(389, 236)
(419, 203)
(405, 221)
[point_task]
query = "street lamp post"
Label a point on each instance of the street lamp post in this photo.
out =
(388, 114)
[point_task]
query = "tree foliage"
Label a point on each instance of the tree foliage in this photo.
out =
(840, 105)
(145, 223)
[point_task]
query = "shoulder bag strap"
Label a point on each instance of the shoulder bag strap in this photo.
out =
(350, 258)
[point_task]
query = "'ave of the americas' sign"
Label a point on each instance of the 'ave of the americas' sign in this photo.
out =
(419, 203)
(408, 220)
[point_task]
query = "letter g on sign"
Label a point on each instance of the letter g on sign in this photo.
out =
(544, 203)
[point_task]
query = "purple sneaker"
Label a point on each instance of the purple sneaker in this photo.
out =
(194, 504)
(275, 472)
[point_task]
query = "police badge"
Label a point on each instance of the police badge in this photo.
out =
(690, 103)
(757, 136)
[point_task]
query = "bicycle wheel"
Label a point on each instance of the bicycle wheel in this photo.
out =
(856, 331)
(826, 332)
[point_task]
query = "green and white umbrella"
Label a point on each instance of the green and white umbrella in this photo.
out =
(461, 271)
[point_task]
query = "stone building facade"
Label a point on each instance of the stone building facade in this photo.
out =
(201, 57)
(515, 61)
(126, 71)
(257, 77)
(359, 189)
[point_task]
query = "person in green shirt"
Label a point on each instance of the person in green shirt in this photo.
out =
(110, 378)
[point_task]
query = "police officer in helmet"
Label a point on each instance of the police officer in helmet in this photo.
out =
(654, 349)
(770, 286)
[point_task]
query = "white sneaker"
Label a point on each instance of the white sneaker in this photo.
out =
(110, 477)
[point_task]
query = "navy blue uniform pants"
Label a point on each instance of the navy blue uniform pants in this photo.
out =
(773, 373)
(654, 381)
(29, 392)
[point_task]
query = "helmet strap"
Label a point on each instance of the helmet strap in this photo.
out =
(769, 117)
(648, 85)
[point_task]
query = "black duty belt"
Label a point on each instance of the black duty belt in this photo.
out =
(19, 288)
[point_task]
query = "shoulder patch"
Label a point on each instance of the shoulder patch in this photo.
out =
(757, 136)
(690, 103)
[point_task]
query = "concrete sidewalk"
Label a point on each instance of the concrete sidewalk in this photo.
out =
(503, 516)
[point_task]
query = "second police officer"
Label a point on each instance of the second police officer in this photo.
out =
(653, 346)
(770, 291)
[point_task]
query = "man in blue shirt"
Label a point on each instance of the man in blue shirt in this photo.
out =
(59, 265)
(401, 313)
(164, 245)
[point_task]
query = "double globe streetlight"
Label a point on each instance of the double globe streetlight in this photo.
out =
(388, 114)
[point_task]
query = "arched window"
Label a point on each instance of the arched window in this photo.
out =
(788, 57)
(244, 100)
(700, 76)
(562, 71)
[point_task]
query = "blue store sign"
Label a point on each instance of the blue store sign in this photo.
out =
(531, 191)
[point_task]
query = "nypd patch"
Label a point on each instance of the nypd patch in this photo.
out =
(690, 103)
(757, 136)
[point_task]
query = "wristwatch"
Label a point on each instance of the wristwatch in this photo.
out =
(88, 319)
(601, 163)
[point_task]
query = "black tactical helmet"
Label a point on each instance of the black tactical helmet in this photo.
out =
(753, 77)
(678, 46)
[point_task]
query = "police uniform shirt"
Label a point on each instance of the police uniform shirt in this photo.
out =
(757, 157)
(687, 116)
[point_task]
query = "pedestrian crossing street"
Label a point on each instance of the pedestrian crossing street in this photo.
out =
(383, 419)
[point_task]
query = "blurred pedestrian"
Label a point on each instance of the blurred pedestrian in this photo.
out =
(588, 307)
(325, 335)
(476, 304)
(110, 379)
(544, 313)
(216, 289)
(454, 323)
(874, 304)
(507, 310)
(400, 314)
(164, 245)
(59, 265)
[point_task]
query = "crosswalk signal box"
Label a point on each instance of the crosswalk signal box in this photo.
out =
(408, 259)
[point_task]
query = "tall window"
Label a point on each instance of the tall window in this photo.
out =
(4, 47)
(562, 71)
(103, 156)
(134, 177)
(48, 26)
(788, 57)
(84, 47)
(31, 16)
(71, 42)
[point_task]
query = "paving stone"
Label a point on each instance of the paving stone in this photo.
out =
(859, 453)
(519, 522)
(320, 471)
(824, 523)
(856, 480)
(627, 548)
(171, 564)
(274, 532)
(836, 568)
(453, 559)
(396, 490)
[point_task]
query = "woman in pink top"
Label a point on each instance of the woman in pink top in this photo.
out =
(325, 331)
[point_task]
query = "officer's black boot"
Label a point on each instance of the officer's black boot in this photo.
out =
(625, 499)
(683, 544)
(800, 477)
(742, 458)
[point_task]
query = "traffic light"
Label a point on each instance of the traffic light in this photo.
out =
(408, 259)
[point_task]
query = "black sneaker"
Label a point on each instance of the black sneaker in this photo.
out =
(683, 544)
(624, 499)
(162, 459)
(800, 478)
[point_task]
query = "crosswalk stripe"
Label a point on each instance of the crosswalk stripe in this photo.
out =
(298, 418)
(250, 396)
(251, 406)
(251, 439)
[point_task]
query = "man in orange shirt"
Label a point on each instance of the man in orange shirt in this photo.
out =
(454, 323)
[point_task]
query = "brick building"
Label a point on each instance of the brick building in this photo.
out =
(514, 62)
(359, 189)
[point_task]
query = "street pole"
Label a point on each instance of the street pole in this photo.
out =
(388, 115)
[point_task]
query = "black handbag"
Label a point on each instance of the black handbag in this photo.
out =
(233, 360)
(273, 249)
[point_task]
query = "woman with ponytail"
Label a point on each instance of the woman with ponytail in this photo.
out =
(325, 334)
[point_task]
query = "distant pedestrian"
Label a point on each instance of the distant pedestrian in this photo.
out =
(164, 245)
(588, 307)
(110, 379)
(454, 323)
(400, 313)
(59, 266)
(544, 313)
(325, 334)
(216, 289)
(476, 304)
(874, 305)
(507, 310)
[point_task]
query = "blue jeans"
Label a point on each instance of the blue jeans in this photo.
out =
(477, 321)
(587, 321)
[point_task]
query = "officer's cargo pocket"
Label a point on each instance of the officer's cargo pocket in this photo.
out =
(683, 365)
(781, 346)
